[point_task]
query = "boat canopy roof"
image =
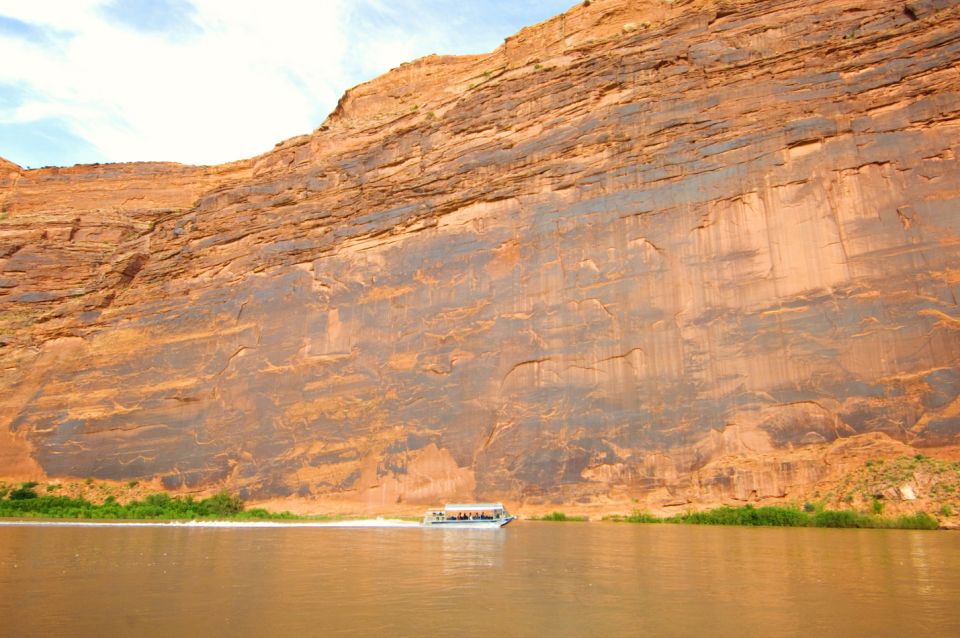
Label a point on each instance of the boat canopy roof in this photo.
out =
(472, 507)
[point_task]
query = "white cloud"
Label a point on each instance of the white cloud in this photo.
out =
(257, 74)
(245, 75)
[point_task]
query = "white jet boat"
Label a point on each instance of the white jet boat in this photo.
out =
(468, 516)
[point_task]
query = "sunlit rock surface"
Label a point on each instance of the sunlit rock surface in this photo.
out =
(645, 252)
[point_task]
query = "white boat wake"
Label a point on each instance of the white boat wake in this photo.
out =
(360, 523)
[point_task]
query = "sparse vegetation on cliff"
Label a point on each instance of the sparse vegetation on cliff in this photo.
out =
(905, 482)
(779, 516)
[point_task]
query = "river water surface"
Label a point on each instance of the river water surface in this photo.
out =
(528, 579)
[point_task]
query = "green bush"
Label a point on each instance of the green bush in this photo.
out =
(222, 504)
(23, 493)
(838, 518)
(560, 516)
(25, 502)
(780, 516)
(642, 517)
(917, 521)
(774, 516)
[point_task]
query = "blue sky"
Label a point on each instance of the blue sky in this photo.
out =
(209, 81)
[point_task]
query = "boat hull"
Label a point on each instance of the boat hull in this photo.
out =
(494, 524)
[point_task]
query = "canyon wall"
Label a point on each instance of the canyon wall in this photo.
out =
(645, 252)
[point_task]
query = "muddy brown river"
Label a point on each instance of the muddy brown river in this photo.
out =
(528, 579)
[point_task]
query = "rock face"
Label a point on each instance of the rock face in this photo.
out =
(667, 252)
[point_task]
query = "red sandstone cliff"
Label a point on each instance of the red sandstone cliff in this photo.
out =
(655, 252)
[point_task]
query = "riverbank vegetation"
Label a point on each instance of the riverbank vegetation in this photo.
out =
(905, 492)
(559, 517)
(780, 516)
(24, 501)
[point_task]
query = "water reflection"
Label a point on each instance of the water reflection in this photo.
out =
(467, 552)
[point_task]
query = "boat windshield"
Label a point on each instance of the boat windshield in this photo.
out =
(473, 512)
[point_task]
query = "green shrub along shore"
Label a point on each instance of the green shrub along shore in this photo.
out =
(780, 516)
(24, 502)
(560, 517)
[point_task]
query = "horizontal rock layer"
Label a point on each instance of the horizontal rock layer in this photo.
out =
(637, 243)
